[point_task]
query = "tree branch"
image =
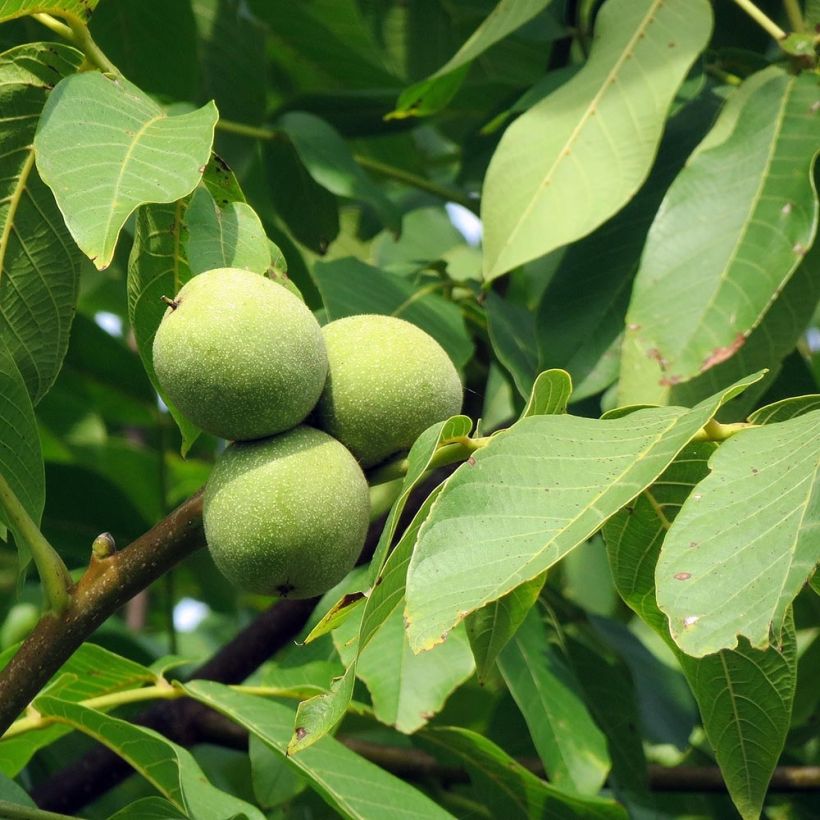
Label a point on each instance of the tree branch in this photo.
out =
(108, 583)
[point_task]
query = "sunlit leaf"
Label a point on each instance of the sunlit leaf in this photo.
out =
(750, 531)
(744, 695)
(578, 156)
(530, 496)
(731, 231)
(102, 169)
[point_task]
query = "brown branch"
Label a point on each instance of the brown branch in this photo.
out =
(107, 584)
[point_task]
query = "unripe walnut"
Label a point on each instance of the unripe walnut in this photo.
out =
(287, 515)
(388, 381)
(239, 355)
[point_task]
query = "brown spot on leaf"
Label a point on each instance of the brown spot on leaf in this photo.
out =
(301, 733)
(682, 576)
(720, 354)
(471, 461)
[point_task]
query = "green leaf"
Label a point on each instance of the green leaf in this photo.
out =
(12, 793)
(310, 211)
(128, 31)
(149, 808)
(224, 237)
(77, 9)
(512, 334)
(353, 786)
(158, 266)
(744, 696)
(432, 94)
(731, 231)
(408, 690)
(547, 186)
(329, 160)
(750, 531)
(769, 343)
(531, 495)
(39, 264)
(506, 787)
(317, 716)
(91, 671)
(131, 153)
(550, 394)
(580, 318)
(571, 746)
(785, 409)
(491, 627)
(21, 462)
(350, 287)
(168, 767)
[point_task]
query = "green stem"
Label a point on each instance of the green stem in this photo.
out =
(382, 169)
(55, 25)
(85, 42)
(448, 452)
(15, 812)
(762, 19)
(715, 431)
(422, 183)
(795, 14)
(56, 581)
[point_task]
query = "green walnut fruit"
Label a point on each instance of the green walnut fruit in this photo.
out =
(286, 515)
(239, 355)
(388, 381)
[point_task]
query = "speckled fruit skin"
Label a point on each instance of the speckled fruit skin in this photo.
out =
(240, 356)
(388, 381)
(286, 515)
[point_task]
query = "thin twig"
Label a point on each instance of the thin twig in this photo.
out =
(762, 19)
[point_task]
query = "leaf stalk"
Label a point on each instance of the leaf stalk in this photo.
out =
(57, 583)
(762, 19)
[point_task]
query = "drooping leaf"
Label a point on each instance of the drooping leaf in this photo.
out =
(353, 786)
(491, 627)
(231, 236)
(309, 210)
(512, 334)
(317, 716)
(132, 153)
(580, 319)
(531, 495)
(707, 278)
(767, 346)
(507, 788)
(158, 266)
(571, 746)
(91, 671)
(432, 94)
(750, 531)
(329, 160)
(407, 689)
(39, 264)
(576, 157)
(744, 695)
(349, 286)
(21, 462)
(168, 767)
(78, 9)
(233, 60)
